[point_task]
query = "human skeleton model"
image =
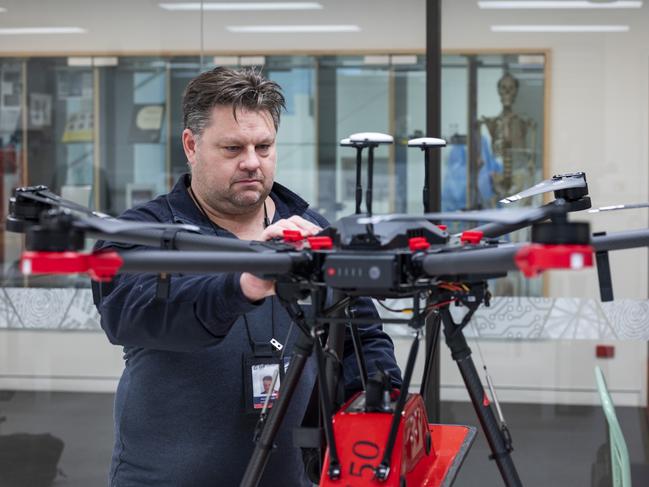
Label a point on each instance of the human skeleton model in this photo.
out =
(513, 140)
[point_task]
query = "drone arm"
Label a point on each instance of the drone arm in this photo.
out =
(621, 240)
(497, 260)
(498, 229)
(183, 240)
(208, 262)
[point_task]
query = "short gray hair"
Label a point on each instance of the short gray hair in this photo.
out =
(245, 88)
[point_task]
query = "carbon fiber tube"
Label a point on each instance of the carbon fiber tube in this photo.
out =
(472, 261)
(194, 262)
(488, 422)
(498, 229)
(461, 354)
(265, 444)
(183, 240)
(621, 240)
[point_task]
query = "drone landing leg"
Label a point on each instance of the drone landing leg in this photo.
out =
(360, 356)
(259, 458)
(461, 354)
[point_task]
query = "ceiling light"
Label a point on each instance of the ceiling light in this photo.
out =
(225, 60)
(557, 4)
(41, 30)
(282, 29)
(238, 6)
(559, 28)
(252, 60)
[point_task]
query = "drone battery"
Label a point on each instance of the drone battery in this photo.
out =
(359, 271)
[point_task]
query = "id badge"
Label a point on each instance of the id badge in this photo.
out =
(258, 375)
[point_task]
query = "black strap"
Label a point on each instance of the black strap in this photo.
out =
(262, 348)
(167, 242)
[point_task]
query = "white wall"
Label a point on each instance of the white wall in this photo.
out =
(58, 361)
(544, 372)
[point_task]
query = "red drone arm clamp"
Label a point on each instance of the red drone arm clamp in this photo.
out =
(536, 258)
(292, 236)
(472, 237)
(320, 243)
(101, 266)
(316, 243)
(418, 243)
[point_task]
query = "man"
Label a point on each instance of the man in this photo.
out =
(181, 408)
(266, 383)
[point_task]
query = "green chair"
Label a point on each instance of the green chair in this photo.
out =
(620, 465)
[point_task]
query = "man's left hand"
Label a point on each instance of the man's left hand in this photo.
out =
(252, 286)
(276, 230)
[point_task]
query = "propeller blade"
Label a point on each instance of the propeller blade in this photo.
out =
(556, 183)
(507, 216)
(619, 207)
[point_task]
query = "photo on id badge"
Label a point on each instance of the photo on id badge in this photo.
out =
(262, 374)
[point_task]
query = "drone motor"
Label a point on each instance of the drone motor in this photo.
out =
(23, 210)
(55, 233)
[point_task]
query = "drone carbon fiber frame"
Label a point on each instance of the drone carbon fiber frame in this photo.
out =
(408, 267)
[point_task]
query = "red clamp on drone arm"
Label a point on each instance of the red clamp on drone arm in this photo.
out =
(418, 243)
(471, 237)
(320, 243)
(101, 266)
(292, 236)
(536, 258)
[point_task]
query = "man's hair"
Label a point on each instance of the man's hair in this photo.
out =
(267, 377)
(245, 88)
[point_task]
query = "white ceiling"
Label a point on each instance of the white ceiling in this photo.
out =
(141, 26)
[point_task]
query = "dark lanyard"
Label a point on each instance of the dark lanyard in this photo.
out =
(263, 348)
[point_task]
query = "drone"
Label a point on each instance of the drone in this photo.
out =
(381, 436)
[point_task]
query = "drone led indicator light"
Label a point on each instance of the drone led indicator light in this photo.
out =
(442, 227)
(26, 267)
(485, 400)
(331, 271)
(576, 261)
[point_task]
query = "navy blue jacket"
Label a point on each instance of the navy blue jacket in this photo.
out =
(179, 418)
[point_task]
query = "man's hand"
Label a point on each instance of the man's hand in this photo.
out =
(255, 288)
(306, 228)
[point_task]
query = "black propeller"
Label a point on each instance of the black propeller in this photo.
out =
(561, 183)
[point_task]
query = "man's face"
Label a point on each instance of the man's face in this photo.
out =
(233, 161)
(267, 385)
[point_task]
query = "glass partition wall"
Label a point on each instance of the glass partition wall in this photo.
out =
(105, 131)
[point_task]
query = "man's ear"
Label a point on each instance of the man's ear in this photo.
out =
(189, 145)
